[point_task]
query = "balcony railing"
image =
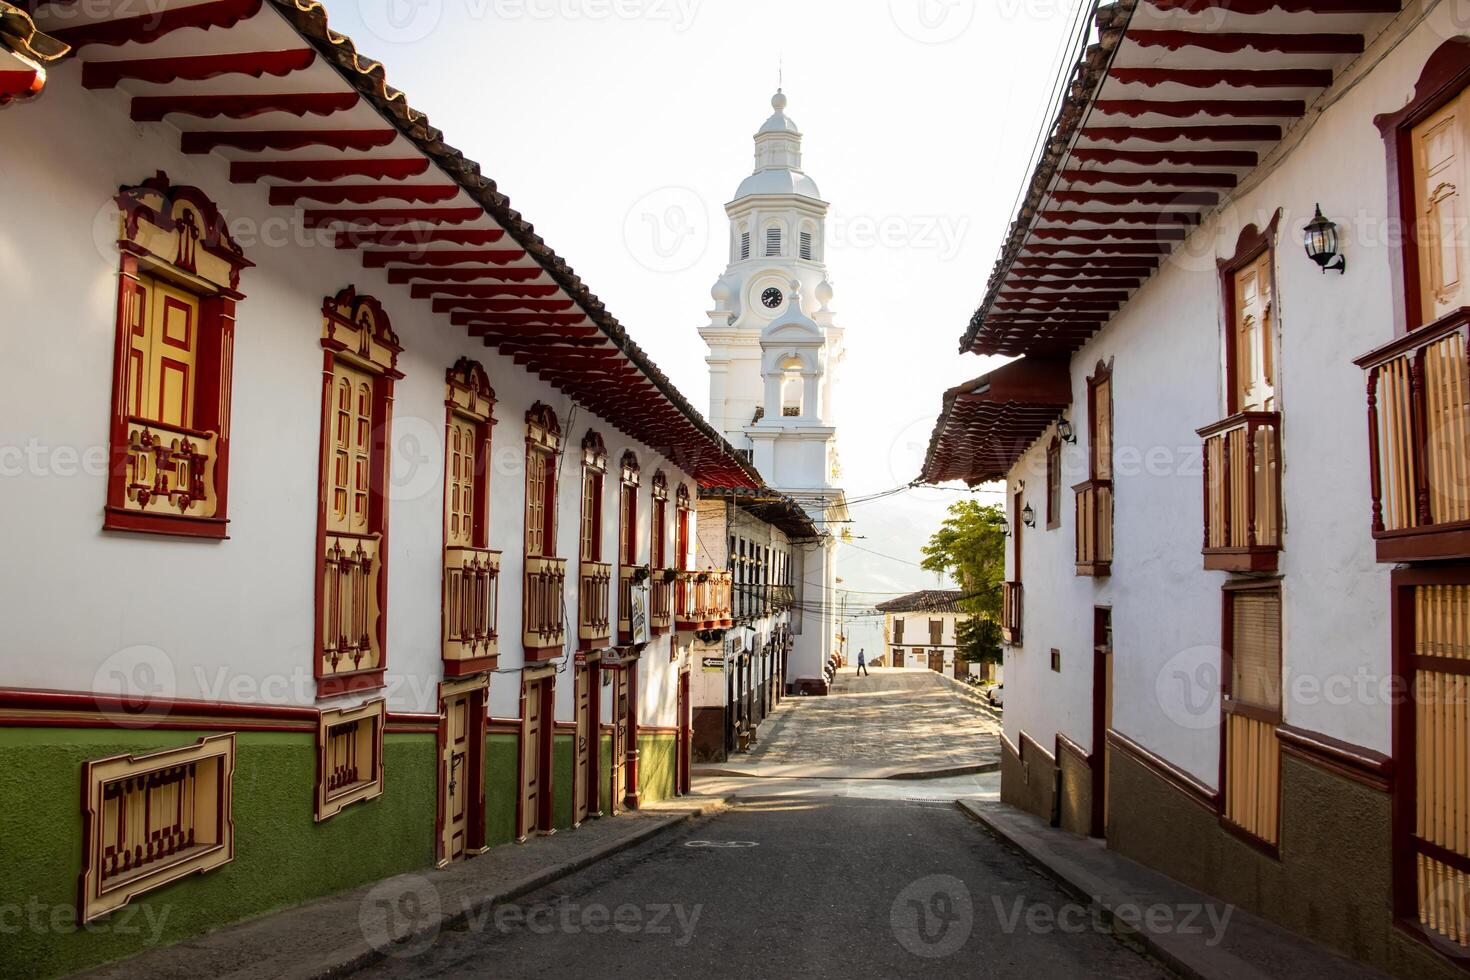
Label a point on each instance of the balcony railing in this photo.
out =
(783, 597)
(170, 469)
(351, 567)
(661, 601)
(471, 609)
(1419, 442)
(594, 597)
(724, 598)
(1094, 527)
(1010, 613)
(692, 601)
(543, 625)
(1242, 460)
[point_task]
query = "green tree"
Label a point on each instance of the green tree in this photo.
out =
(970, 547)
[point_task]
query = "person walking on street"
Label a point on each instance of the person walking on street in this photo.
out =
(862, 670)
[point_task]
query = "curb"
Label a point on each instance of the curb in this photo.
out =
(977, 768)
(350, 959)
(1136, 938)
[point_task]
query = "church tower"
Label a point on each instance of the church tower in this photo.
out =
(774, 348)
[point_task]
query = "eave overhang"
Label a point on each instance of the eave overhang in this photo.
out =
(24, 54)
(987, 424)
(296, 109)
(1165, 115)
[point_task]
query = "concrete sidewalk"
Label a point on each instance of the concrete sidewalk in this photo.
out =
(400, 915)
(1195, 934)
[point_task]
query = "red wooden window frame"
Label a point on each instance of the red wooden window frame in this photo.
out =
(1251, 244)
(683, 511)
(1275, 716)
(198, 258)
(374, 352)
(658, 540)
(542, 418)
(594, 471)
(1054, 484)
(469, 376)
(1445, 75)
(628, 511)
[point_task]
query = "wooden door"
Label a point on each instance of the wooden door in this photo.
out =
(456, 784)
(532, 725)
(584, 746)
(1439, 146)
(620, 737)
(936, 661)
(1102, 715)
(681, 714)
(1253, 338)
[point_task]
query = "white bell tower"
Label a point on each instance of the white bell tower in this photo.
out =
(774, 347)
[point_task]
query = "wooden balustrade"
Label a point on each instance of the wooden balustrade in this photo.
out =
(722, 598)
(1242, 473)
(351, 572)
(1094, 527)
(1010, 613)
(594, 602)
(661, 601)
(170, 469)
(543, 625)
(1419, 442)
(148, 821)
(471, 609)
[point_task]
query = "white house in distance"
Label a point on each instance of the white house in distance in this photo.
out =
(919, 630)
(348, 532)
(1237, 612)
(774, 349)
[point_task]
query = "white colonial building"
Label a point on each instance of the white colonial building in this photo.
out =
(774, 348)
(347, 532)
(1235, 449)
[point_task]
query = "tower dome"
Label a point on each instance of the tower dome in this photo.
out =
(778, 158)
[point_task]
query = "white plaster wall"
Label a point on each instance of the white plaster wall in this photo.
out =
(1166, 347)
(229, 620)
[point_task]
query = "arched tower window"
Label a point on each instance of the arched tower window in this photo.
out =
(792, 387)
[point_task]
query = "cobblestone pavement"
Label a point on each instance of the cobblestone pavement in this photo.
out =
(893, 720)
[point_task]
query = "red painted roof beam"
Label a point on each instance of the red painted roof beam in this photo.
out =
(161, 71)
(153, 108)
(250, 171)
(450, 256)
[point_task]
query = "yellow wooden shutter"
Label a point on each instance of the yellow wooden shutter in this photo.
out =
(163, 346)
(460, 491)
(1439, 180)
(349, 450)
(1102, 429)
(1256, 649)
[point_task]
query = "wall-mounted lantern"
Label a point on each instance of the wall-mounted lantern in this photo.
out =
(1028, 516)
(1064, 431)
(1320, 239)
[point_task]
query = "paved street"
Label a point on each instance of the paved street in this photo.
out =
(891, 721)
(791, 887)
(808, 876)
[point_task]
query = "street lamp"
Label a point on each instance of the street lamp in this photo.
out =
(1028, 516)
(1064, 431)
(1319, 237)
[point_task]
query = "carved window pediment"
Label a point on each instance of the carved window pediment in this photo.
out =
(180, 229)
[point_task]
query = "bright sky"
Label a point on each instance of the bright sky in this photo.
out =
(620, 128)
